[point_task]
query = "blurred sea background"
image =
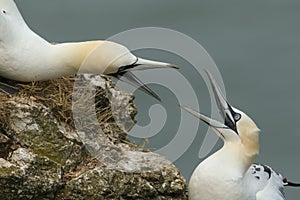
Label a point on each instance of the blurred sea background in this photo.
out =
(255, 44)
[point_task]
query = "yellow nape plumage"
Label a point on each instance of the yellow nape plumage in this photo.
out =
(220, 176)
(25, 56)
(230, 174)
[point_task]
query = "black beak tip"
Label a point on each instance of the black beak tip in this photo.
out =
(154, 95)
(174, 66)
(131, 79)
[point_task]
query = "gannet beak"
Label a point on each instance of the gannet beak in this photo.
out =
(131, 79)
(143, 64)
(124, 74)
(211, 122)
(227, 113)
(217, 126)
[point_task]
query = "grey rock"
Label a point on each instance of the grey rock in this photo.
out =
(46, 153)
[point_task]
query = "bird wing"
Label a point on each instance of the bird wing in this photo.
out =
(269, 194)
(266, 183)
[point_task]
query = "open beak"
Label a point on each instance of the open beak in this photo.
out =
(230, 117)
(131, 79)
(142, 64)
(124, 74)
(225, 109)
(211, 122)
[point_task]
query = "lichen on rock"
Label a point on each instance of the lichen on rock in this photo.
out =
(48, 152)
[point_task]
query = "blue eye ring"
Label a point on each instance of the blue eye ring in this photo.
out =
(237, 117)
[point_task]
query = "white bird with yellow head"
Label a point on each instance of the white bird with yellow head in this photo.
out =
(229, 173)
(25, 56)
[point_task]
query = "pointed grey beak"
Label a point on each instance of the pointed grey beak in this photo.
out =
(225, 109)
(230, 117)
(131, 79)
(143, 64)
(211, 122)
(124, 74)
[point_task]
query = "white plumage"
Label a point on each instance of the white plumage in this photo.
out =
(229, 174)
(25, 56)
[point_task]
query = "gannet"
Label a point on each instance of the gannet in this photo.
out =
(26, 57)
(229, 173)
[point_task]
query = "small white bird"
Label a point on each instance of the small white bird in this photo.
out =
(25, 56)
(229, 174)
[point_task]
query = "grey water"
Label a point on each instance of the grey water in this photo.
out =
(255, 44)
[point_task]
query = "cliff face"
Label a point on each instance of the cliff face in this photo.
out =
(43, 155)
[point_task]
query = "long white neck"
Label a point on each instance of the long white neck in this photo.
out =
(220, 173)
(25, 56)
(239, 154)
(236, 156)
(232, 160)
(37, 59)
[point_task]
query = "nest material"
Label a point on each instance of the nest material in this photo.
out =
(57, 96)
(54, 165)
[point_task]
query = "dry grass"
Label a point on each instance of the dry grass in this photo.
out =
(57, 96)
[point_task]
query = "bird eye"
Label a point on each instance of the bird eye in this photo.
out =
(4, 11)
(237, 117)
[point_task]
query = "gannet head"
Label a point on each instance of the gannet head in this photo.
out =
(111, 58)
(10, 19)
(116, 60)
(237, 127)
(122, 66)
